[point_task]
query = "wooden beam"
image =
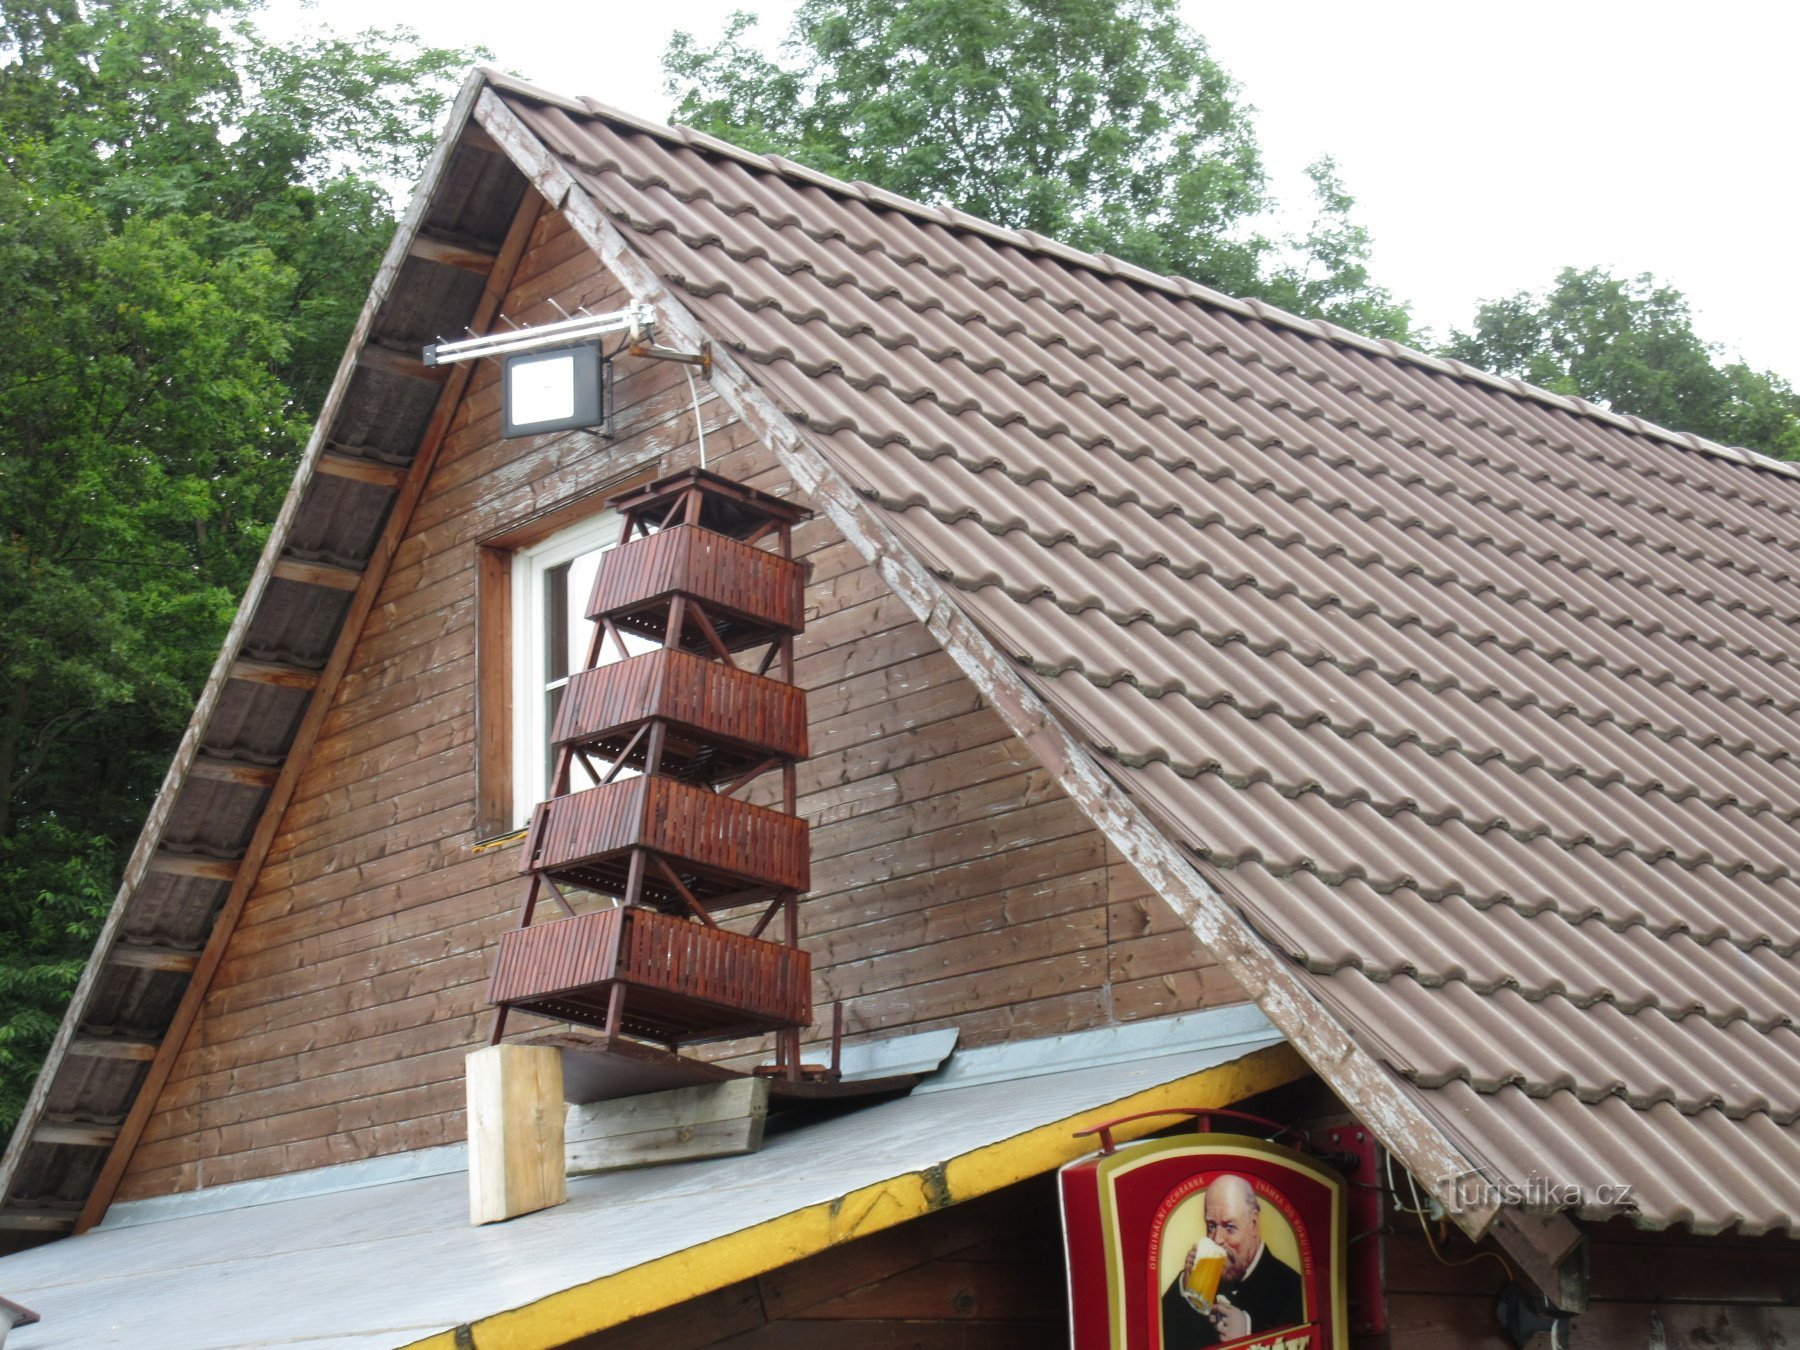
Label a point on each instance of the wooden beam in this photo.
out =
(80, 1136)
(711, 1120)
(1216, 919)
(141, 957)
(405, 364)
(268, 672)
(464, 256)
(342, 464)
(106, 1185)
(1552, 1251)
(474, 138)
(36, 1221)
(234, 771)
(191, 865)
(515, 1131)
(318, 574)
(112, 1047)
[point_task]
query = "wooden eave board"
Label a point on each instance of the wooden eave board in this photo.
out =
(400, 1264)
(250, 724)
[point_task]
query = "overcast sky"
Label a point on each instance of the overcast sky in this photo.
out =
(1487, 145)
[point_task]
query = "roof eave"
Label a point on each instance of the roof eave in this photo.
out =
(149, 838)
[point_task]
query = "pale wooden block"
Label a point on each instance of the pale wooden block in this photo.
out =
(515, 1131)
(713, 1120)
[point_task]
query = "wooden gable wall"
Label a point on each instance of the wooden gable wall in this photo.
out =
(954, 884)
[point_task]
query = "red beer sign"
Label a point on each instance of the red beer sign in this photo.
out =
(1203, 1240)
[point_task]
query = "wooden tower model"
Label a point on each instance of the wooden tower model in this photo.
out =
(705, 568)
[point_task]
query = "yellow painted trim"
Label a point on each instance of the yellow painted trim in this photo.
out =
(498, 841)
(668, 1280)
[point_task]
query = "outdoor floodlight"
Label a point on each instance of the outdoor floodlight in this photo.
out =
(555, 390)
(555, 376)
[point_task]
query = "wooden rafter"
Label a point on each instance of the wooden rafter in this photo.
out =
(363, 600)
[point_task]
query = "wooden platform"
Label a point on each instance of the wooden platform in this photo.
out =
(751, 596)
(721, 846)
(681, 982)
(600, 1068)
(719, 721)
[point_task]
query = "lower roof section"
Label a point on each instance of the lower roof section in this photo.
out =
(398, 1264)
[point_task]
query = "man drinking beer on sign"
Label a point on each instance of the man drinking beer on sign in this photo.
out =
(1231, 1285)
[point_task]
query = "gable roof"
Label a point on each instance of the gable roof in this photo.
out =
(1477, 702)
(1360, 657)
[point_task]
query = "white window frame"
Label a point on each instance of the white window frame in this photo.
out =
(530, 626)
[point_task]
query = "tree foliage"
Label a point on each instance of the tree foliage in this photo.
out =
(1629, 344)
(189, 216)
(1105, 124)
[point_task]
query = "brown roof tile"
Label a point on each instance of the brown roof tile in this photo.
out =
(1481, 701)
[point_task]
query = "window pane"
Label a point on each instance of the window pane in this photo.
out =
(556, 637)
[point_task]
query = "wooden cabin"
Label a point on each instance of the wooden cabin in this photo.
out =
(1206, 709)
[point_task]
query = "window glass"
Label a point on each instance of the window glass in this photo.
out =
(552, 581)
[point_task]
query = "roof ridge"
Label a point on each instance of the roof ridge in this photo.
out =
(1107, 265)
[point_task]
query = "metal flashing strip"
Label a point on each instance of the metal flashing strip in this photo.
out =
(351, 1176)
(1239, 1024)
(921, 1052)
(406, 1268)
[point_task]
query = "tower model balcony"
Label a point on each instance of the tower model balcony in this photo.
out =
(670, 980)
(749, 595)
(720, 846)
(719, 722)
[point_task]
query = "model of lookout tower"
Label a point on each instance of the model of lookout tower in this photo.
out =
(672, 739)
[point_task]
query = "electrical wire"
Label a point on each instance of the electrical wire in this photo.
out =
(1387, 1161)
(1431, 1242)
(699, 429)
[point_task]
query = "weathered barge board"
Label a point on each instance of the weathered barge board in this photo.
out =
(953, 883)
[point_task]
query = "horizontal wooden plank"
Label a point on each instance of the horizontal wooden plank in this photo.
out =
(1012, 1214)
(690, 1325)
(36, 1221)
(318, 574)
(952, 1291)
(142, 956)
(408, 365)
(712, 1120)
(1208, 986)
(233, 771)
(113, 1047)
(343, 462)
(233, 1066)
(192, 865)
(897, 1335)
(323, 973)
(271, 672)
(78, 1135)
(464, 257)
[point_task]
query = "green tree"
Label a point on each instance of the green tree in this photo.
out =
(1102, 123)
(1629, 344)
(189, 216)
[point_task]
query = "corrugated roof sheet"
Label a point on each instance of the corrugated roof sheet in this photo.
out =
(394, 1263)
(1483, 702)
